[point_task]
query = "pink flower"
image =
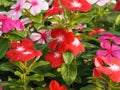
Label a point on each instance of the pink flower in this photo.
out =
(107, 67)
(42, 37)
(16, 9)
(99, 2)
(37, 6)
(110, 50)
(109, 36)
(61, 40)
(8, 24)
(55, 58)
(22, 51)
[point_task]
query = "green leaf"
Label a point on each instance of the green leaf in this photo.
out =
(17, 35)
(35, 77)
(68, 57)
(8, 83)
(89, 87)
(7, 66)
(39, 63)
(117, 21)
(3, 47)
(69, 72)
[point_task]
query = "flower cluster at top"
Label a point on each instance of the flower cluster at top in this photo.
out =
(32, 15)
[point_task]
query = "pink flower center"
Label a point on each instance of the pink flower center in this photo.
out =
(34, 3)
(76, 4)
(109, 51)
(17, 8)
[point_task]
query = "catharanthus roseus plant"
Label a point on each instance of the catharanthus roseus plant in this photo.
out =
(59, 44)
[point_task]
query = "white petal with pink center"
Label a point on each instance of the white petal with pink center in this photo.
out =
(60, 38)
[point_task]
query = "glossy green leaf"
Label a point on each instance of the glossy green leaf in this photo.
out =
(68, 57)
(3, 47)
(7, 66)
(69, 72)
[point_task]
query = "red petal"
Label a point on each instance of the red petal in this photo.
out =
(53, 45)
(14, 44)
(115, 76)
(117, 6)
(27, 43)
(54, 85)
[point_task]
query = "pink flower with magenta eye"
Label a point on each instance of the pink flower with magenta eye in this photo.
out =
(109, 50)
(15, 11)
(42, 36)
(37, 6)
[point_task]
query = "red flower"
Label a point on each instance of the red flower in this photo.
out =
(78, 5)
(22, 51)
(55, 9)
(55, 58)
(76, 47)
(96, 31)
(117, 6)
(54, 85)
(62, 39)
(109, 67)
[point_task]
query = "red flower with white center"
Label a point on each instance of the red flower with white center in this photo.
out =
(54, 85)
(109, 67)
(76, 47)
(55, 9)
(62, 39)
(77, 5)
(55, 58)
(22, 51)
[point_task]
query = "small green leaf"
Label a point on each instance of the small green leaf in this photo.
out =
(3, 47)
(35, 77)
(68, 57)
(7, 66)
(39, 63)
(69, 72)
(117, 21)
(8, 83)
(89, 87)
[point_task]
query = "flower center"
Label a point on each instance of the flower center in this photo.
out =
(110, 51)
(20, 48)
(114, 67)
(17, 8)
(76, 42)
(76, 4)
(60, 38)
(56, 55)
(34, 3)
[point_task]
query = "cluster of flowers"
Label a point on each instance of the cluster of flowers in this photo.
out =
(107, 60)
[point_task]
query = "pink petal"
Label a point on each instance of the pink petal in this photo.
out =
(115, 47)
(105, 44)
(116, 54)
(35, 36)
(102, 52)
(35, 10)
